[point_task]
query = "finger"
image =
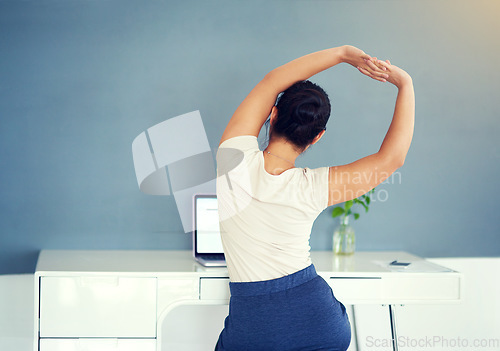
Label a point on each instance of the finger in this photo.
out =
(379, 78)
(378, 73)
(373, 66)
(367, 73)
(386, 64)
(380, 65)
(364, 71)
(376, 63)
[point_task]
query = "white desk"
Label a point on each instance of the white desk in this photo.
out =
(117, 300)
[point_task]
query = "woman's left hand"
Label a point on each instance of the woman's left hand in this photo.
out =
(364, 63)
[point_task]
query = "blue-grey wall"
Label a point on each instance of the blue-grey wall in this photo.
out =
(79, 80)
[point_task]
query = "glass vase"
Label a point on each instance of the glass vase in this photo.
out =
(344, 241)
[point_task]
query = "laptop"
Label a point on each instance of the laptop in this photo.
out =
(207, 244)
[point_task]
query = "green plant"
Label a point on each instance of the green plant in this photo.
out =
(346, 210)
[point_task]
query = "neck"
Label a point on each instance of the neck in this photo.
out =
(282, 155)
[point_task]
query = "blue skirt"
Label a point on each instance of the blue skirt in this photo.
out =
(295, 312)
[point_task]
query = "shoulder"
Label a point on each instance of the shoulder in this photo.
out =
(233, 151)
(316, 174)
(241, 142)
(314, 185)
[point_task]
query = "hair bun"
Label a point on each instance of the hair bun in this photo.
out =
(306, 111)
(303, 110)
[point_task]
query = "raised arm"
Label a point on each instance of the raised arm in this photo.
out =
(254, 110)
(355, 179)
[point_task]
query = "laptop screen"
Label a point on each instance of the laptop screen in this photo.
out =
(207, 232)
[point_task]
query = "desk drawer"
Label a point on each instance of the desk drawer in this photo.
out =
(352, 290)
(91, 306)
(97, 345)
(396, 289)
(422, 289)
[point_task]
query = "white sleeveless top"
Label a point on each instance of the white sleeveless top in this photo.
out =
(265, 220)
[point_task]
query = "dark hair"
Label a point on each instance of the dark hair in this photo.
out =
(303, 111)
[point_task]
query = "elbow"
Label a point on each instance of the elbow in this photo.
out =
(270, 76)
(269, 80)
(393, 162)
(398, 162)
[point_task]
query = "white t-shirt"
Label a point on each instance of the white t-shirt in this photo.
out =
(265, 219)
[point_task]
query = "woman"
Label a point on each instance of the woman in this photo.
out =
(267, 206)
